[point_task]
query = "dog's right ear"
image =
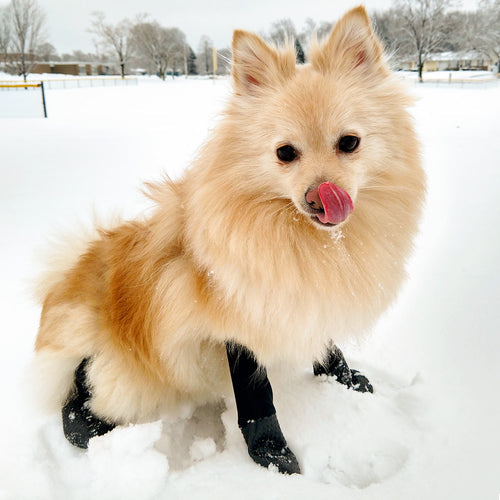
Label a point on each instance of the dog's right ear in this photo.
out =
(258, 67)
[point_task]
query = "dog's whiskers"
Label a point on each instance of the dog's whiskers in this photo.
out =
(381, 187)
(285, 208)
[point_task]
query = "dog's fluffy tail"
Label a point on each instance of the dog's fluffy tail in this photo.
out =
(62, 252)
(50, 375)
(50, 379)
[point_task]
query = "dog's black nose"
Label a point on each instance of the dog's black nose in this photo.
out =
(313, 199)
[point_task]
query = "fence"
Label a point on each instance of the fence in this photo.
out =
(21, 100)
(77, 82)
(72, 83)
(454, 82)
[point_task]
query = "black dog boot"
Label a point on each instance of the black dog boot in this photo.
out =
(267, 445)
(79, 423)
(336, 366)
(256, 413)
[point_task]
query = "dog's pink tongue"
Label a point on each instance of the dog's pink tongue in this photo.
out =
(336, 202)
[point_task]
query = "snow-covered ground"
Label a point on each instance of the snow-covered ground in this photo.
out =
(431, 430)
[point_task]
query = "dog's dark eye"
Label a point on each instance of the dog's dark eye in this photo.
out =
(286, 153)
(348, 143)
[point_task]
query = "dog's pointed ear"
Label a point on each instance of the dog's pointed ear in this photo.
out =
(257, 66)
(351, 46)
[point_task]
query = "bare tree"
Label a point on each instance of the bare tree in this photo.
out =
(28, 25)
(224, 61)
(387, 24)
(459, 29)
(47, 52)
(5, 32)
(117, 38)
(79, 55)
(174, 46)
(282, 31)
(204, 56)
(309, 29)
(147, 41)
(323, 29)
(313, 29)
(487, 38)
(161, 48)
(423, 22)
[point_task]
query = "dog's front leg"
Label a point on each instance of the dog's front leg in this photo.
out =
(335, 365)
(256, 413)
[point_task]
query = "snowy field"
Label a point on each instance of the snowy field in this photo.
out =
(431, 430)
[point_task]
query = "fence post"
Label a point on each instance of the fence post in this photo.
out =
(43, 100)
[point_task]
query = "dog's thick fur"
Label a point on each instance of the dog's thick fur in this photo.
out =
(231, 253)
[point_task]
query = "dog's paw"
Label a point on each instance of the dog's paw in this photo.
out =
(271, 457)
(267, 445)
(336, 366)
(360, 383)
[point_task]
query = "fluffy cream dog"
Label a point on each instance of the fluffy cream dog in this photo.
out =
(290, 231)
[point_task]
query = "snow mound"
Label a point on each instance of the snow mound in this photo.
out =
(342, 438)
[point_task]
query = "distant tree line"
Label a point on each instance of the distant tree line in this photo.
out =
(410, 29)
(419, 28)
(157, 50)
(415, 29)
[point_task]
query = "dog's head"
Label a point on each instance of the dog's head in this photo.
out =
(319, 134)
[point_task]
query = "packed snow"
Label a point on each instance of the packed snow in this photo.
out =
(430, 430)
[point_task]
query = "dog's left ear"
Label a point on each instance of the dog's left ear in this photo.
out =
(351, 46)
(258, 67)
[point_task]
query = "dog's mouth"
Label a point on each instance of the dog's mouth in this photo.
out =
(328, 205)
(316, 219)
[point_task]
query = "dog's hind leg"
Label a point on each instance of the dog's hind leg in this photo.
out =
(335, 365)
(79, 423)
(256, 413)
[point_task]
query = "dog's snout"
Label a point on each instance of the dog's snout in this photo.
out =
(313, 199)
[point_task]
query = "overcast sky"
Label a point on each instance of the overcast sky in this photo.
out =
(68, 20)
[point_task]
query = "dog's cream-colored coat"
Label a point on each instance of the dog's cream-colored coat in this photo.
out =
(230, 252)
